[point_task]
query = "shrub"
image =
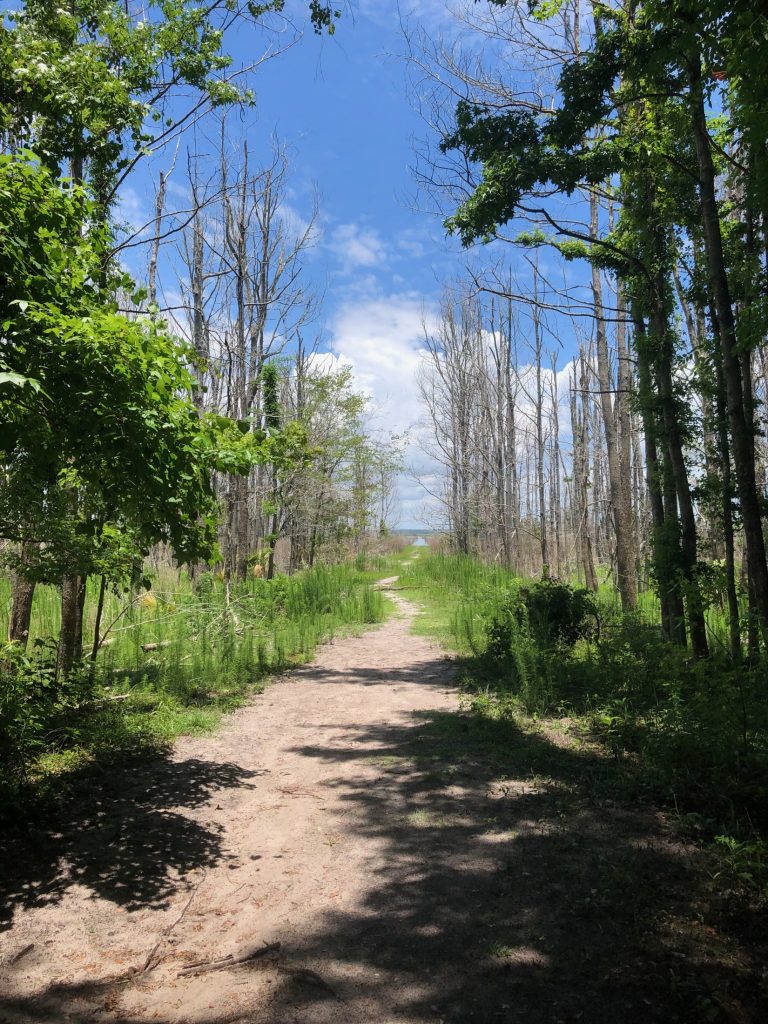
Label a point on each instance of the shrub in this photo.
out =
(558, 614)
(37, 708)
(530, 637)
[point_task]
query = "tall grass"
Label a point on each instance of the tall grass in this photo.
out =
(457, 594)
(174, 659)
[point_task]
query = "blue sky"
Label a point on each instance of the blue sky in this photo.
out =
(343, 108)
(340, 104)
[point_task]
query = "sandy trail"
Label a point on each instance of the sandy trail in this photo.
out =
(247, 837)
(352, 814)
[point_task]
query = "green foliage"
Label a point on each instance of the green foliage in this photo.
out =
(745, 863)
(209, 645)
(530, 630)
(91, 85)
(557, 614)
(270, 381)
(104, 450)
(36, 707)
(697, 730)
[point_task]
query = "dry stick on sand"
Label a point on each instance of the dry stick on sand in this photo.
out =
(228, 961)
(153, 960)
(22, 953)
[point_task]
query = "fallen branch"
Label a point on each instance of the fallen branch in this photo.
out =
(152, 959)
(155, 646)
(229, 961)
(22, 953)
(204, 967)
(204, 963)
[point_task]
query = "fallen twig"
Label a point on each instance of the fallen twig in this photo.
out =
(22, 952)
(152, 959)
(204, 966)
(228, 961)
(202, 963)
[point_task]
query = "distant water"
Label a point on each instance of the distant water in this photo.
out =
(420, 542)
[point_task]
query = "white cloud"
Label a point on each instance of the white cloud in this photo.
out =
(357, 247)
(381, 338)
(411, 244)
(385, 12)
(132, 210)
(182, 192)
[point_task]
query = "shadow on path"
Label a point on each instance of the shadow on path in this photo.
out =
(507, 882)
(123, 835)
(513, 888)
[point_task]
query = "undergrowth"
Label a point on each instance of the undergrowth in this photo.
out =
(175, 658)
(695, 734)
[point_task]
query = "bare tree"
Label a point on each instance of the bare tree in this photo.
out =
(245, 303)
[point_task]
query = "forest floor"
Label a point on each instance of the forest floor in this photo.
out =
(414, 866)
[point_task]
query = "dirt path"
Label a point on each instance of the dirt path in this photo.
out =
(354, 816)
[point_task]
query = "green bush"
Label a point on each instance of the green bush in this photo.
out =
(551, 613)
(558, 614)
(529, 637)
(37, 708)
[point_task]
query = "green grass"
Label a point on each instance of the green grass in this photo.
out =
(694, 736)
(455, 595)
(215, 644)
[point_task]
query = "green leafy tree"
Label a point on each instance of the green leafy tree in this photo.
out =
(94, 86)
(631, 119)
(102, 448)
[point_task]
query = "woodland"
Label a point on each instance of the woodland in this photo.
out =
(192, 498)
(619, 150)
(138, 441)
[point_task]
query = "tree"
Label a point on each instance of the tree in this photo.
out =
(246, 302)
(588, 141)
(93, 88)
(103, 451)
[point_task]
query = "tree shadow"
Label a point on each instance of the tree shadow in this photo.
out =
(428, 674)
(510, 879)
(518, 883)
(122, 834)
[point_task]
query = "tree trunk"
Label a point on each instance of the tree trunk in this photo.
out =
(726, 498)
(71, 631)
(97, 624)
(539, 405)
(22, 594)
(619, 484)
(663, 571)
(741, 429)
(679, 476)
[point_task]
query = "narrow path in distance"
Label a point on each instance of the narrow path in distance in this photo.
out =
(355, 816)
